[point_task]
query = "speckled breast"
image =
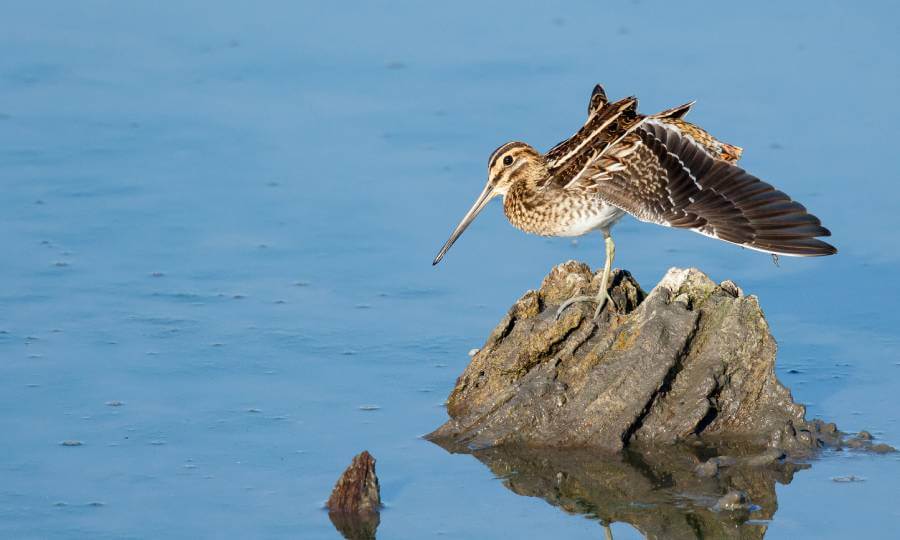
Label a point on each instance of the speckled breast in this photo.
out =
(559, 213)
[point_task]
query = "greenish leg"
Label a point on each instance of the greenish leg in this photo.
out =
(602, 293)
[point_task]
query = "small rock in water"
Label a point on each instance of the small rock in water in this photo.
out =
(847, 479)
(369, 407)
(71, 442)
(882, 448)
(356, 499)
(863, 441)
(854, 443)
(473, 352)
(357, 489)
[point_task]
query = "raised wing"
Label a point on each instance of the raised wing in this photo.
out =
(661, 174)
(607, 124)
(716, 148)
(675, 117)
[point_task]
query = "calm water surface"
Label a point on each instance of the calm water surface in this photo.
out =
(218, 221)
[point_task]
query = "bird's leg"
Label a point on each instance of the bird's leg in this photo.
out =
(603, 293)
(607, 532)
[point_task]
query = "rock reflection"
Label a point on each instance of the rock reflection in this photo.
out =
(660, 492)
(356, 526)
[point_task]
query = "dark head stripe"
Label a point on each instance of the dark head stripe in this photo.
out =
(502, 150)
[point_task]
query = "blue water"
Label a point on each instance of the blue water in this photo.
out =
(218, 220)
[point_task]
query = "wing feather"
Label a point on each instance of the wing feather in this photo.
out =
(606, 126)
(671, 179)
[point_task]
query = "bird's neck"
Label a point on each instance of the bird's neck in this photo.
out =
(522, 203)
(524, 197)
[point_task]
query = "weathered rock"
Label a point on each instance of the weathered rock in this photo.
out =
(356, 500)
(690, 361)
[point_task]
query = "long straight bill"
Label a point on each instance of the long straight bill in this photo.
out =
(470, 216)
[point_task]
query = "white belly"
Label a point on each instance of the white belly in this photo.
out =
(603, 218)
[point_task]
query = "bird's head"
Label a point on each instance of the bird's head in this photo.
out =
(513, 162)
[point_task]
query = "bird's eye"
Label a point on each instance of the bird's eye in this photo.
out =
(508, 161)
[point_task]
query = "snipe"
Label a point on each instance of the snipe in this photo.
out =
(658, 168)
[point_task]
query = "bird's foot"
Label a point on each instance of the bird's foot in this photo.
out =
(570, 301)
(601, 299)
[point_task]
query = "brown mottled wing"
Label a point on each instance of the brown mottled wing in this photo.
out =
(606, 125)
(659, 174)
(675, 118)
(719, 149)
